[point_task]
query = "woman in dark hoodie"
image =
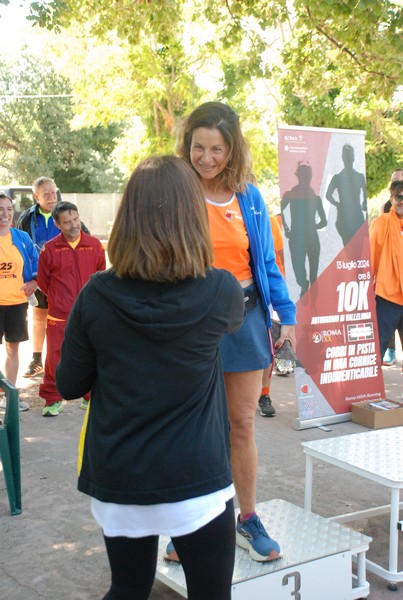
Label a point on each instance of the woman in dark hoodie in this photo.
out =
(144, 337)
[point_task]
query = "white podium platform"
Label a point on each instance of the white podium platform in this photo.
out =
(317, 561)
(375, 455)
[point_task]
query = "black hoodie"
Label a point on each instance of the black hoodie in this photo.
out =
(149, 352)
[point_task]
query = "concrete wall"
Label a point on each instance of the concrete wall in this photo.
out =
(98, 211)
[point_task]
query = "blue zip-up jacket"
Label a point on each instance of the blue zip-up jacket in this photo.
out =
(26, 248)
(266, 274)
(34, 224)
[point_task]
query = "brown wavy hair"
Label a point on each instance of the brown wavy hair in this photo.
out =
(161, 230)
(217, 115)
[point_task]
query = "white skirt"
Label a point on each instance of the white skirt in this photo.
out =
(171, 518)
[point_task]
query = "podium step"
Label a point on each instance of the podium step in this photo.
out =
(317, 561)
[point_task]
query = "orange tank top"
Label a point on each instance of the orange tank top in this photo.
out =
(11, 266)
(230, 239)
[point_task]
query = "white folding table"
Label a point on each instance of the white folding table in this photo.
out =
(375, 455)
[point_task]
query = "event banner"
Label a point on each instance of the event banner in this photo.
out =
(327, 262)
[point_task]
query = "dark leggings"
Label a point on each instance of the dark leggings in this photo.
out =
(207, 557)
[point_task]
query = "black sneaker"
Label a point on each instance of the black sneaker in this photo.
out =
(265, 406)
(34, 368)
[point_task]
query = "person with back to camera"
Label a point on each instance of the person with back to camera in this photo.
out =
(144, 337)
(211, 141)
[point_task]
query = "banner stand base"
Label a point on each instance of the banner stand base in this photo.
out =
(320, 421)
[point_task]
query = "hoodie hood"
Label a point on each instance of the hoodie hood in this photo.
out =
(160, 311)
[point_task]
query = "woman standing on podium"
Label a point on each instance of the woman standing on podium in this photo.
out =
(211, 141)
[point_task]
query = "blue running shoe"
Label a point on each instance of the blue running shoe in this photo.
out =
(252, 536)
(170, 553)
(389, 357)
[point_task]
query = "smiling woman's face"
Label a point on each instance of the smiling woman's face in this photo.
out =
(208, 152)
(6, 213)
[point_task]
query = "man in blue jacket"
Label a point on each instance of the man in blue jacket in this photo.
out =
(37, 221)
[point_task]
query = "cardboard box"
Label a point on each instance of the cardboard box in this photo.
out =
(377, 414)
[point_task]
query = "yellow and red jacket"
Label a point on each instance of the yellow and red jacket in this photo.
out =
(63, 270)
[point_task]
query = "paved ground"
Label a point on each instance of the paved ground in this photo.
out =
(55, 551)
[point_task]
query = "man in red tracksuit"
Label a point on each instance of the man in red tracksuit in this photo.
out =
(65, 264)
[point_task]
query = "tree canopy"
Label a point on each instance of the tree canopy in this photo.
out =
(36, 136)
(145, 63)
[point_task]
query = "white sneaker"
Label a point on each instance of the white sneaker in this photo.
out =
(23, 405)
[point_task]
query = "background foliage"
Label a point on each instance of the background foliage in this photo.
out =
(137, 66)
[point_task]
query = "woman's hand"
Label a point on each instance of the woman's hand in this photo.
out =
(287, 332)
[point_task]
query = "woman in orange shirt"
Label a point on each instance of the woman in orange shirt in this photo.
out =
(211, 141)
